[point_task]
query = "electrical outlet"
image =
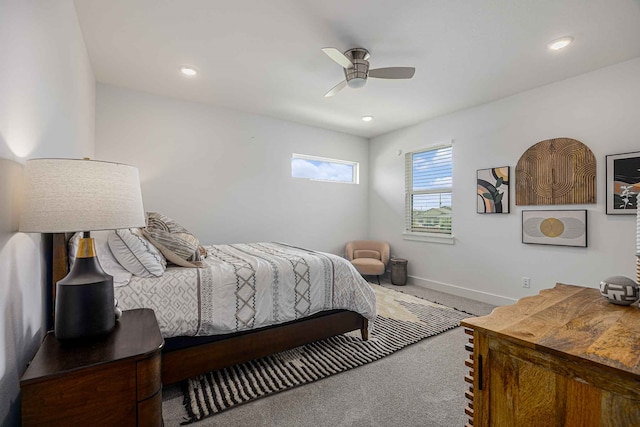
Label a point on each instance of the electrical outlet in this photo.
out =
(526, 282)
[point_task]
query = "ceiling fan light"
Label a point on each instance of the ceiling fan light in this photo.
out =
(357, 83)
(367, 118)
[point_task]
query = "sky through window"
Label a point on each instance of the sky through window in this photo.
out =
(323, 169)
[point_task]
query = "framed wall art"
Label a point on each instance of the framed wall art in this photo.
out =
(493, 190)
(559, 171)
(623, 183)
(555, 227)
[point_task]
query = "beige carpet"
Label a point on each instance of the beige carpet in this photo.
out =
(403, 319)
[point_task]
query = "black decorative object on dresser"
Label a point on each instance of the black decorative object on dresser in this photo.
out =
(114, 380)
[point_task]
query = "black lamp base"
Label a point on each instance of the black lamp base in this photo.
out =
(84, 302)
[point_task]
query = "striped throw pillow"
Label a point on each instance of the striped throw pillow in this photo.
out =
(169, 236)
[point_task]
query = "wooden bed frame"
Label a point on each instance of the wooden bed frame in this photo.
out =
(180, 364)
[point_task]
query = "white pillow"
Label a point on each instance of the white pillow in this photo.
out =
(137, 254)
(106, 259)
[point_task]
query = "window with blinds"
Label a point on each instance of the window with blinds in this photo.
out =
(428, 182)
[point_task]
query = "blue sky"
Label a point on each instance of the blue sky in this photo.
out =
(324, 170)
(432, 170)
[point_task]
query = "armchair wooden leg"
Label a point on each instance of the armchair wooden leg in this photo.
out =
(378, 277)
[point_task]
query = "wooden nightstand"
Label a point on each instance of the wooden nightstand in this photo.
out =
(113, 381)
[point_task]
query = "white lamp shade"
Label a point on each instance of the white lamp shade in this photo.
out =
(68, 195)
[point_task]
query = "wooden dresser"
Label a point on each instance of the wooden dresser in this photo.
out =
(112, 381)
(565, 357)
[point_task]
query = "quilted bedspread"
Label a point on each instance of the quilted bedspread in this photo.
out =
(247, 286)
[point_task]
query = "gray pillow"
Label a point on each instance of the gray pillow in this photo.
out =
(174, 241)
(136, 254)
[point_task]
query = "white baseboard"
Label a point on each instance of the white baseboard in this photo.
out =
(460, 291)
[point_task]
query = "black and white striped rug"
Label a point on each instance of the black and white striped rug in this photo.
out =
(402, 320)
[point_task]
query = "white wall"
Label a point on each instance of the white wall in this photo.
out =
(47, 104)
(488, 260)
(226, 175)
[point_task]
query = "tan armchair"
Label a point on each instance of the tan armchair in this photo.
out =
(369, 257)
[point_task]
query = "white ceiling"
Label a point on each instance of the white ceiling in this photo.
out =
(264, 57)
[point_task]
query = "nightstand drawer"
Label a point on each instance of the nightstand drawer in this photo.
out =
(105, 394)
(150, 411)
(111, 381)
(149, 377)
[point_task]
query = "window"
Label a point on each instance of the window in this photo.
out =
(323, 169)
(428, 182)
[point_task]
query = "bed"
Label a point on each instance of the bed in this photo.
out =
(247, 301)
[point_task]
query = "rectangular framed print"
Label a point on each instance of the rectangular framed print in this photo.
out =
(556, 227)
(493, 190)
(623, 183)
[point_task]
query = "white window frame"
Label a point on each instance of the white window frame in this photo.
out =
(355, 166)
(424, 236)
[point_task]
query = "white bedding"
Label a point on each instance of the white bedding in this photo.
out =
(247, 286)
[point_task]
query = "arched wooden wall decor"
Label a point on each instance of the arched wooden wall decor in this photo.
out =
(560, 171)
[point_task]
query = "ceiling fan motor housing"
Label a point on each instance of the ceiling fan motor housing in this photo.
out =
(357, 75)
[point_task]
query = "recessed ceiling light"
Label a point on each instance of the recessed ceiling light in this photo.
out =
(560, 43)
(188, 71)
(367, 118)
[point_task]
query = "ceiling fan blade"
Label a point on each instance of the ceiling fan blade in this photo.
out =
(392, 73)
(337, 88)
(338, 56)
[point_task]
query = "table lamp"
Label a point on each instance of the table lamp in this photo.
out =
(70, 195)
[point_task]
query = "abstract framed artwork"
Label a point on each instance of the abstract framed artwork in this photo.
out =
(493, 190)
(623, 183)
(555, 227)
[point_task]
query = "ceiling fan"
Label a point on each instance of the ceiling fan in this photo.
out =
(356, 69)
